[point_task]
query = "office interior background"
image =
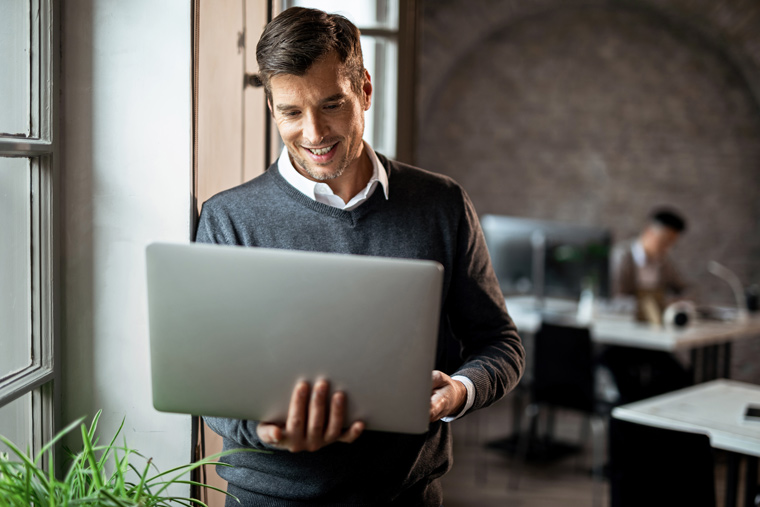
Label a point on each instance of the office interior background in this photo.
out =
(586, 112)
(596, 112)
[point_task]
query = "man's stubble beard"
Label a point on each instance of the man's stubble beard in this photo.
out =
(307, 168)
(342, 164)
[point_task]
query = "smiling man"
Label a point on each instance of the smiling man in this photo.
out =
(330, 192)
(321, 121)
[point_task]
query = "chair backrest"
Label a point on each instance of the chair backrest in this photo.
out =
(658, 467)
(563, 367)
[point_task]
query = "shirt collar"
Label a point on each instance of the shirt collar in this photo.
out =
(312, 188)
(638, 253)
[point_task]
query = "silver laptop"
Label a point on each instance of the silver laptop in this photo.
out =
(232, 329)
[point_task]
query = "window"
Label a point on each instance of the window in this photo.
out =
(26, 219)
(378, 21)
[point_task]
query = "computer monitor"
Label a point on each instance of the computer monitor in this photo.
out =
(547, 258)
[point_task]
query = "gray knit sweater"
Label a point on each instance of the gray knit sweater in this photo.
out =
(426, 216)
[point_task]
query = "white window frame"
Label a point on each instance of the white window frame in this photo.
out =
(40, 148)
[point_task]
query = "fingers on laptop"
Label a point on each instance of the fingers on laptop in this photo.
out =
(315, 419)
(353, 432)
(338, 414)
(437, 399)
(445, 399)
(270, 433)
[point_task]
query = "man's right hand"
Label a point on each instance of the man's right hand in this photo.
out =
(314, 420)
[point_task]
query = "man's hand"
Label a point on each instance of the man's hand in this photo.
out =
(313, 421)
(449, 396)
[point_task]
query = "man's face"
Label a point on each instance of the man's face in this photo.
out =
(321, 118)
(658, 239)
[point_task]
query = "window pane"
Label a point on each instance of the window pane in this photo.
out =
(381, 60)
(16, 423)
(363, 13)
(15, 264)
(15, 57)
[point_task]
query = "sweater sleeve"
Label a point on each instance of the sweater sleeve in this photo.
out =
(494, 358)
(241, 432)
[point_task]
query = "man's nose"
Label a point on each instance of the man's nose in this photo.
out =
(315, 128)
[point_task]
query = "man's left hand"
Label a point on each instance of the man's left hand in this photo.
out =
(449, 396)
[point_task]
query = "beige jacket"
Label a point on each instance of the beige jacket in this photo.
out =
(624, 273)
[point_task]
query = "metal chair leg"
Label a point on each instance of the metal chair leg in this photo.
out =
(481, 428)
(598, 436)
(527, 433)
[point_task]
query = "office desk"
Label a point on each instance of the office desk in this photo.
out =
(707, 337)
(714, 408)
(623, 330)
(708, 341)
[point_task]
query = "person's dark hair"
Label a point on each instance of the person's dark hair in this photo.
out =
(297, 38)
(669, 218)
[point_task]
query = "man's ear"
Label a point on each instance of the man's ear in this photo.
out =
(269, 105)
(367, 90)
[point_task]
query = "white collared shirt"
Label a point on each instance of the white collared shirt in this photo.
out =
(647, 271)
(321, 192)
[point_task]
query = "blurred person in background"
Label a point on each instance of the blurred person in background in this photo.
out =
(642, 270)
(644, 264)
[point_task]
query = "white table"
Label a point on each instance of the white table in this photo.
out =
(623, 330)
(714, 408)
(707, 340)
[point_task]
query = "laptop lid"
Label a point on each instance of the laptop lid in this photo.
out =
(232, 329)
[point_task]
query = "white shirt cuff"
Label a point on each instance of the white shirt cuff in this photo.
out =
(470, 397)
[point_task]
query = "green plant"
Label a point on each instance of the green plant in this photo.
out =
(585, 259)
(23, 482)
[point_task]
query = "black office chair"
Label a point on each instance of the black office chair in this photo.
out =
(658, 467)
(563, 377)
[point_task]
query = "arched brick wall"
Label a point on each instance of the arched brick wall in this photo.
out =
(594, 112)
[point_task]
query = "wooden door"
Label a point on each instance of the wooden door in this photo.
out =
(232, 140)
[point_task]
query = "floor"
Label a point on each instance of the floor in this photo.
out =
(484, 477)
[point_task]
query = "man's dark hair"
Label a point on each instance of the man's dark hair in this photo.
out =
(669, 218)
(297, 38)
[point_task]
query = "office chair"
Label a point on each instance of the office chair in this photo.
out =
(563, 377)
(658, 467)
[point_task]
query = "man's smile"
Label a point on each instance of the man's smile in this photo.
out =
(321, 151)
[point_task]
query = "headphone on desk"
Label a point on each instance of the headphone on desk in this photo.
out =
(679, 314)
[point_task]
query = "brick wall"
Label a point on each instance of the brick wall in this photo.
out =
(594, 112)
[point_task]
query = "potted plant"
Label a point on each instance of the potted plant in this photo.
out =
(102, 475)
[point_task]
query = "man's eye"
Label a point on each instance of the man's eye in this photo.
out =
(332, 106)
(290, 114)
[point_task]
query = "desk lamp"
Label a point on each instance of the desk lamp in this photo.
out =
(722, 272)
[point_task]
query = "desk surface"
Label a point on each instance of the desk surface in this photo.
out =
(622, 330)
(714, 408)
(625, 332)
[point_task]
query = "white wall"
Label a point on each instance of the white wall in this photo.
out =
(126, 181)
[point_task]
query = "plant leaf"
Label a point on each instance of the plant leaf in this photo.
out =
(89, 453)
